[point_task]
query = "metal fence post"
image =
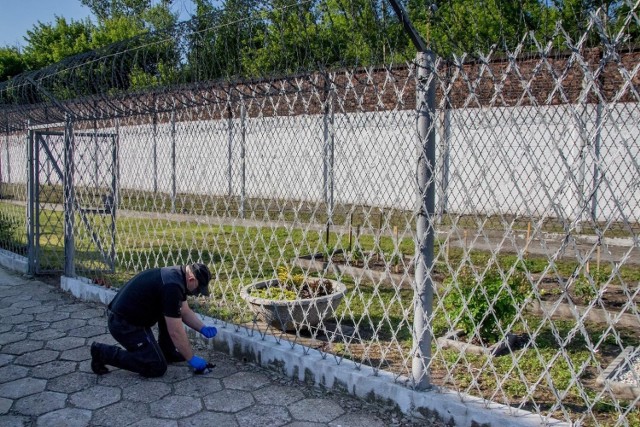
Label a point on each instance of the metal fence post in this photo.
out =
(423, 299)
(443, 163)
(6, 141)
(116, 196)
(31, 201)
(596, 166)
(425, 228)
(173, 159)
(328, 150)
(155, 150)
(8, 165)
(229, 148)
(69, 195)
(579, 209)
(96, 166)
(115, 182)
(243, 132)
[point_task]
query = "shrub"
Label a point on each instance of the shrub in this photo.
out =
(488, 305)
(7, 231)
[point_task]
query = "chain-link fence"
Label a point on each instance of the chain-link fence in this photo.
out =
(469, 220)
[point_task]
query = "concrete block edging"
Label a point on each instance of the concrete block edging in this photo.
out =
(14, 261)
(310, 365)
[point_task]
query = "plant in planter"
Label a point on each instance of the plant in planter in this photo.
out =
(485, 307)
(292, 301)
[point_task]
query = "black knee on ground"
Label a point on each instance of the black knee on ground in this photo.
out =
(156, 369)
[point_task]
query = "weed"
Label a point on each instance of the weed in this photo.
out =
(587, 286)
(485, 303)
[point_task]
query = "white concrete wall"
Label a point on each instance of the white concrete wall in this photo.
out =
(524, 160)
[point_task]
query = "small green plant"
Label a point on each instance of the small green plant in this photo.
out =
(7, 230)
(356, 254)
(488, 304)
(288, 279)
(277, 293)
(587, 288)
(294, 286)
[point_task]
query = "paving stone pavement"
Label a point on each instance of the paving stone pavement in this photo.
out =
(46, 379)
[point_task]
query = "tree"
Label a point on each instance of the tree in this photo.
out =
(106, 9)
(576, 17)
(114, 30)
(361, 32)
(159, 17)
(201, 38)
(220, 37)
(285, 39)
(151, 16)
(11, 63)
(456, 26)
(146, 52)
(50, 43)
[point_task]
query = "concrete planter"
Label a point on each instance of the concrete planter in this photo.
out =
(289, 315)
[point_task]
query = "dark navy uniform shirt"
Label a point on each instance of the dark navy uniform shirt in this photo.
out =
(151, 294)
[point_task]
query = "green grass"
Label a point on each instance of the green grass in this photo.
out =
(367, 217)
(383, 315)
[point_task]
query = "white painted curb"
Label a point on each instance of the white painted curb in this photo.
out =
(14, 262)
(85, 290)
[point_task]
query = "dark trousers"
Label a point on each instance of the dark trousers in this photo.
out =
(142, 353)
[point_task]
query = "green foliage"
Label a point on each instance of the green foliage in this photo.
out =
(11, 63)
(588, 285)
(50, 43)
(277, 293)
(12, 236)
(115, 29)
(475, 26)
(159, 17)
(7, 230)
(485, 301)
(105, 9)
(288, 279)
(576, 15)
(257, 38)
(291, 286)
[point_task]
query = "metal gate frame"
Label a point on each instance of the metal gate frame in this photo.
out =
(37, 144)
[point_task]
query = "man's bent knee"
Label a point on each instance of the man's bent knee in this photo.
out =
(156, 369)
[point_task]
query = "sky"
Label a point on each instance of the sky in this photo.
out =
(18, 16)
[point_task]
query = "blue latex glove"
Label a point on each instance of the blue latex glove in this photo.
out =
(198, 363)
(209, 331)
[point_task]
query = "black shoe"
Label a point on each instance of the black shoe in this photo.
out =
(96, 364)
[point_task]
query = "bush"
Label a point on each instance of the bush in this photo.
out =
(7, 231)
(488, 305)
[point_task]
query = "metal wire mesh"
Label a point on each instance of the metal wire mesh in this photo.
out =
(13, 160)
(306, 171)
